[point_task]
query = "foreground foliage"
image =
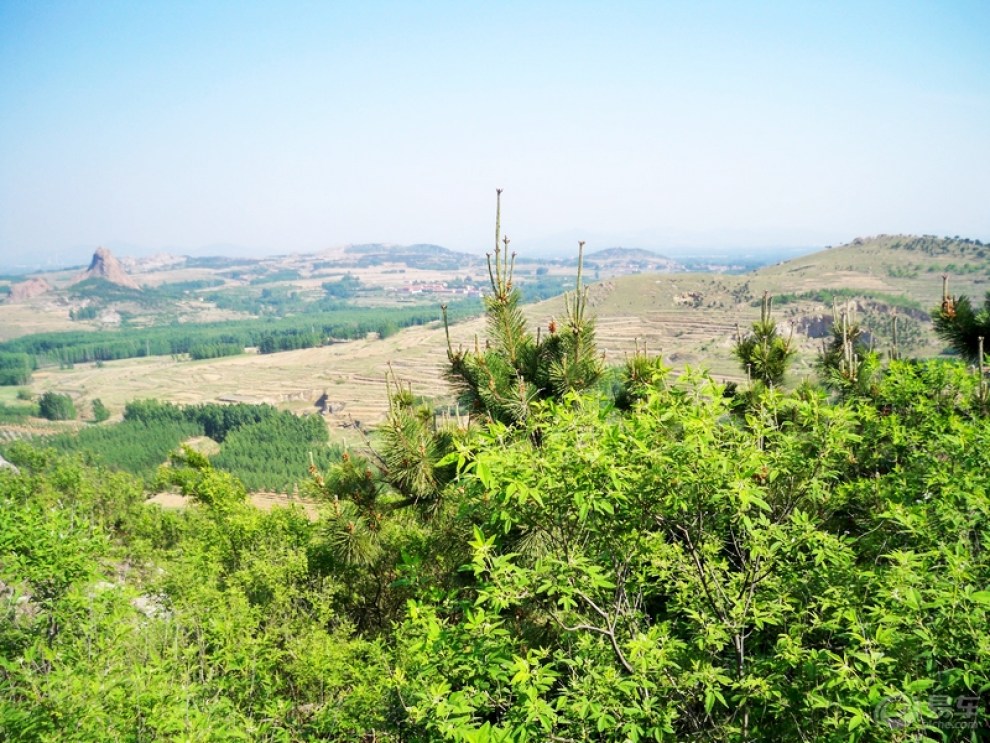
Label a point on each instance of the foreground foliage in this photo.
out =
(612, 558)
(678, 574)
(680, 570)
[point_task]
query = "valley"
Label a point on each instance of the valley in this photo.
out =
(690, 318)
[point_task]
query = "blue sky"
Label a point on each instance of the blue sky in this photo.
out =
(282, 127)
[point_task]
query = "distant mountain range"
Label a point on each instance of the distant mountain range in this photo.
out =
(136, 258)
(131, 272)
(640, 297)
(421, 255)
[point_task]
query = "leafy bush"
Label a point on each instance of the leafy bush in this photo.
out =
(226, 639)
(56, 407)
(100, 412)
(712, 579)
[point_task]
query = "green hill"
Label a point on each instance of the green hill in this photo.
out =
(693, 317)
(897, 264)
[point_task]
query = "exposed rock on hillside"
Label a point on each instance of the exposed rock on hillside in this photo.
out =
(814, 326)
(4, 464)
(105, 266)
(155, 262)
(27, 289)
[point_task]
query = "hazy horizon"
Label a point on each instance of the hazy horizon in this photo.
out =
(296, 127)
(81, 256)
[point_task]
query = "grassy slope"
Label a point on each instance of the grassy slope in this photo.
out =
(888, 263)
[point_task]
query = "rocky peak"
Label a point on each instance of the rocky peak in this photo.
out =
(105, 266)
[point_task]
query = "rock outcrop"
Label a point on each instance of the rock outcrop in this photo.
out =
(4, 464)
(26, 289)
(105, 266)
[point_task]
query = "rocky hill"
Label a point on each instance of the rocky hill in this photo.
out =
(105, 266)
(25, 290)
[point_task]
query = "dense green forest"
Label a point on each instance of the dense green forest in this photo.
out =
(601, 555)
(276, 452)
(18, 356)
(101, 290)
(265, 448)
(136, 446)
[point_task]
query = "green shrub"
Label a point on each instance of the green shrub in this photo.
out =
(100, 412)
(56, 407)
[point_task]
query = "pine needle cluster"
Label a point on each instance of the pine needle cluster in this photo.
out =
(961, 325)
(412, 445)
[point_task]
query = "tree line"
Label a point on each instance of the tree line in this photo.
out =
(20, 355)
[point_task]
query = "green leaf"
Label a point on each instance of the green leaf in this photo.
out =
(484, 473)
(449, 458)
(912, 598)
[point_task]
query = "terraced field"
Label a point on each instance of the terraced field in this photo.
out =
(352, 374)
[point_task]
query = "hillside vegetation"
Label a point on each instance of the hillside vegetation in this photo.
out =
(693, 317)
(617, 554)
(672, 572)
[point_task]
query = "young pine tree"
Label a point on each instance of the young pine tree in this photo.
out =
(763, 353)
(515, 368)
(497, 382)
(842, 353)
